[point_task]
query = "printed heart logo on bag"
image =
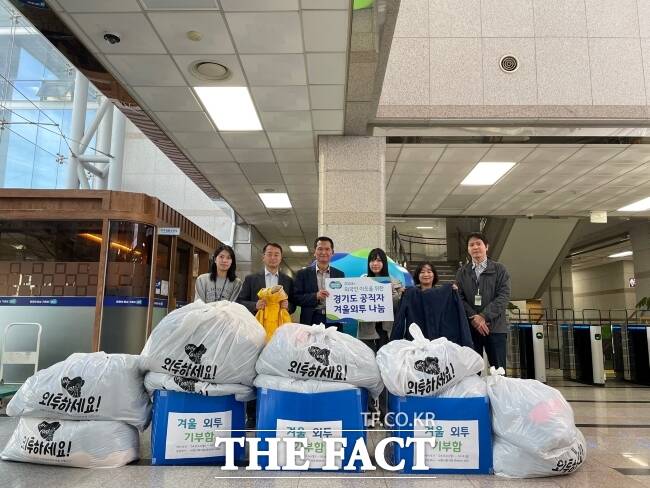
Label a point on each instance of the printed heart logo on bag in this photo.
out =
(47, 429)
(73, 386)
(186, 384)
(195, 352)
(320, 355)
(428, 365)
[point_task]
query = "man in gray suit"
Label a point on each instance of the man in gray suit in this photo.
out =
(271, 276)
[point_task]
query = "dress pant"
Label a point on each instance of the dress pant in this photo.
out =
(495, 345)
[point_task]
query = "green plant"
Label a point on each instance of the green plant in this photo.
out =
(644, 304)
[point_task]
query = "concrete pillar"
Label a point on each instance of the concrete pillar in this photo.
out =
(352, 191)
(640, 237)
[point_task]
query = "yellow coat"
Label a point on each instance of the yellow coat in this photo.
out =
(272, 316)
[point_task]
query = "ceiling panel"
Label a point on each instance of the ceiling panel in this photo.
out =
(245, 140)
(295, 155)
(137, 35)
(327, 119)
(416, 154)
(219, 168)
(265, 32)
(168, 99)
(326, 68)
(198, 140)
(327, 97)
(281, 98)
(455, 154)
(286, 121)
(258, 5)
(147, 69)
(507, 153)
(274, 69)
(253, 155)
(180, 121)
(172, 28)
(325, 31)
(99, 6)
(292, 140)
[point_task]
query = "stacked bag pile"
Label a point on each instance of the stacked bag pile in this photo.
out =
(205, 348)
(315, 359)
(534, 429)
(83, 412)
(533, 425)
(437, 368)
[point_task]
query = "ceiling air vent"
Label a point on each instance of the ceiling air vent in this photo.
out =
(509, 63)
(210, 71)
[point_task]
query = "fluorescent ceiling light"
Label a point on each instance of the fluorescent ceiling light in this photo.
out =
(639, 206)
(275, 200)
(230, 107)
(485, 174)
(424, 227)
(299, 248)
(620, 254)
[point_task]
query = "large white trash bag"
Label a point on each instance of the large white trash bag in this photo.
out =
(530, 414)
(160, 381)
(319, 353)
(514, 462)
(82, 444)
(212, 342)
(425, 368)
(300, 386)
(87, 386)
(472, 386)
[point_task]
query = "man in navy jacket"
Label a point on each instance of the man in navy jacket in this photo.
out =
(309, 292)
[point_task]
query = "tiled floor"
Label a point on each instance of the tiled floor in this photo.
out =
(615, 421)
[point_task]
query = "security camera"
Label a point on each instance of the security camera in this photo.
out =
(529, 216)
(112, 38)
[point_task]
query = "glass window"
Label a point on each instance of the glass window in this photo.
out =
(20, 161)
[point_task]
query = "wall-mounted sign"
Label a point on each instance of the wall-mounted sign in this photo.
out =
(169, 231)
(632, 282)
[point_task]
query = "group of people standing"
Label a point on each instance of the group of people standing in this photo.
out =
(482, 284)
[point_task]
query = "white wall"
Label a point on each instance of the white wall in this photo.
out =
(604, 287)
(148, 170)
(577, 58)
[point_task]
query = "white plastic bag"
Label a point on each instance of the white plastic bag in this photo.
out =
(160, 381)
(78, 443)
(470, 387)
(300, 386)
(514, 462)
(212, 342)
(530, 414)
(319, 353)
(86, 386)
(425, 368)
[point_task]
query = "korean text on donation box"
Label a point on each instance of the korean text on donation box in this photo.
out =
(364, 299)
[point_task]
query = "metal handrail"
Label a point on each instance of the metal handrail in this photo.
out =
(397, 251)
(399, 242)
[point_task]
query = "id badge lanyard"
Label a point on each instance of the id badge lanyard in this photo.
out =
(477, 298)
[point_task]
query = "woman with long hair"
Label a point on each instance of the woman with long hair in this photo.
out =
(376, 334)
(221, 283)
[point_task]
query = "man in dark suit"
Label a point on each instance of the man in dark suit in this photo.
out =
(309, 287)
(271, 276)
(253, 283)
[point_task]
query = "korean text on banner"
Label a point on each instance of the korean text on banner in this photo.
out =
(364, 299)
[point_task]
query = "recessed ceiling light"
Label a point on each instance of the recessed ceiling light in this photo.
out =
(299, 248)
(539, 192)
(275, 200)
(230, 107)
(639, 206)
(485, 174)
(424, 227)
(620, 254)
